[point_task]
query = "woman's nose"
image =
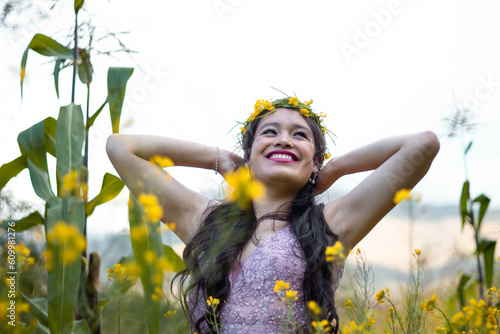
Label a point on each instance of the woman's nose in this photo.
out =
(283, 140)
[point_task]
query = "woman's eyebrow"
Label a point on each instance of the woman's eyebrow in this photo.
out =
(278, 125)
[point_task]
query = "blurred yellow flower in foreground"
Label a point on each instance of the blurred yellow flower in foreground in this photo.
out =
(291, 295)
(280, 285)
(323, 324)
(152, 209)
(314, 307)
(162, 162)
(401, 195)
(337, 250)
(67, 241)
(243, 189)
(70, 183)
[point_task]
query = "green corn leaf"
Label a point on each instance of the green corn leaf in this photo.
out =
(484, 202)
(69, 139)
(460, 289)
(174, 261)
(50, 135)
(117, 84)
(92, 119)
(85, 68)
(468, 148)
(144, 249)
(78, 5)
(32, 145)
(111, 187)
(69, 145)
(31, 220)
(487, 247)
(80, 327)
(464, 210)
(42, 329)
(63, 277)
(45, 46)
(57, 70)
(38, 308)
(11, 169)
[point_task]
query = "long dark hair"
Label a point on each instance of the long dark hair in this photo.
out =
(225, 230)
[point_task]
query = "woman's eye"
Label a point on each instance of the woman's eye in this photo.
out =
(301, 134)
(269, 132)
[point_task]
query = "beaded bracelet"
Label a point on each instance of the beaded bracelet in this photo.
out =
(217, 162)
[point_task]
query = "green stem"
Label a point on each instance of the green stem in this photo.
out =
(478, 260)
(119, 304)
(85, 166)
(75, 60)
(397, 315)
(445, 317)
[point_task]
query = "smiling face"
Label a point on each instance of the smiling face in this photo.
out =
(283, 150)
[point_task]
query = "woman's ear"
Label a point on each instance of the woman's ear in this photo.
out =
(316, 168)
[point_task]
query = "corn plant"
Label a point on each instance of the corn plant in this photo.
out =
(66, 208)
(459, 124)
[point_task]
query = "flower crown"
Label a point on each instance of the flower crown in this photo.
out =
(288, 102)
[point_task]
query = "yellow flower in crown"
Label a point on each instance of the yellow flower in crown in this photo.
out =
(265, 107)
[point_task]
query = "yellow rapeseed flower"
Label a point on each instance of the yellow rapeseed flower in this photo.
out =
(337, 250)
(212, 301)
(291, 295)
(70, 182)
(314, 307)
(162, 162)
(157, 294)
(149, 256)
(119, 273)
(169, 313)
(244, 188)
(152, 209)
(323, 324)
(351, 328)
(418, 251)
(380, 296)
(401, 195)
(280, 285)
(68, 239)
(139, 233)
(70, 255)
(347, 303)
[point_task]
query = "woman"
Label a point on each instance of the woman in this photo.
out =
(247, 258)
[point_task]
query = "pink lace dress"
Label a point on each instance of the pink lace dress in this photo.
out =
(253, 306)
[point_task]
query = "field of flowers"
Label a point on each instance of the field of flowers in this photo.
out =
(51, 281)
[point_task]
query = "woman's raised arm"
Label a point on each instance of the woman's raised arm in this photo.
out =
(399, 162)
(130, 156)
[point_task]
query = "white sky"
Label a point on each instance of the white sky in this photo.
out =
(203, 69)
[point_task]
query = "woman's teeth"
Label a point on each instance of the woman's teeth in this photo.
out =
(281, 156)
